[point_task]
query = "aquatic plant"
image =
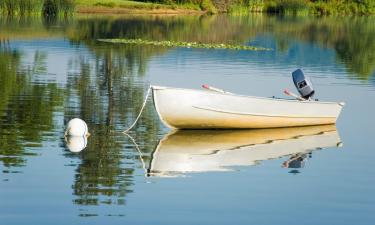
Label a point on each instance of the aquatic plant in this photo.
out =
(185, 44)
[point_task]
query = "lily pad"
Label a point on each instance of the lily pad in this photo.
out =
(184, 44)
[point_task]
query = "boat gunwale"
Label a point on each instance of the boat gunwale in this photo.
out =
(341, 104)
(254, 114)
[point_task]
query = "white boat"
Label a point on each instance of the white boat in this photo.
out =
(190, 151)
(204, 109)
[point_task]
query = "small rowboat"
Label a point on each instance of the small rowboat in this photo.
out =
(205, 109)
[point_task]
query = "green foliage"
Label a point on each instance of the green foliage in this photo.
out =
(208, 6)
(54, 7)
(343, 7)
(9, 6)
(320, 7)
(238, 10)
(236, 7)
(23, 119)
(256, 5)
(50, 8)
(286, 6)
(27, 6)
(67, 6)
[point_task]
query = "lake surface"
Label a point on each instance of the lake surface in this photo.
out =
(53, 71)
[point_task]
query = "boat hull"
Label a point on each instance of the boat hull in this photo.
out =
(200, 109)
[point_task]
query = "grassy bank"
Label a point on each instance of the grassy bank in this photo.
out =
(321, 7)
(65, 7)
(135, 7)
(315, 7)
(237, 7)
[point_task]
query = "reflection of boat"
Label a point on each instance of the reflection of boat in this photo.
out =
(200, 109)
(205, 150)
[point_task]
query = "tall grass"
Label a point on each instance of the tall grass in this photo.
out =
(22, 7)
(238, 10)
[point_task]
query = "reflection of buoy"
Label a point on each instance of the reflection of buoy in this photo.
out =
(77, 127)
(76, 143)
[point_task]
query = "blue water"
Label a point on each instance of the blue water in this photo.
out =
(107, 182)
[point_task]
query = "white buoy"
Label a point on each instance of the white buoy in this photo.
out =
(76, 144)
(77, 127)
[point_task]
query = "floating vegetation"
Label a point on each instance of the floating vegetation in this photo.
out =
(184, 44)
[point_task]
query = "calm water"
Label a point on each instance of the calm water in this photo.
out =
(53, 71)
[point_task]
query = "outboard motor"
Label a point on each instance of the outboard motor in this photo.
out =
(303, 84)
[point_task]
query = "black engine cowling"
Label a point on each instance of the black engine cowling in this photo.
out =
(303, 84)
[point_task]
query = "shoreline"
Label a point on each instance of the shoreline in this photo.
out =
(200, 7)
(278, 7)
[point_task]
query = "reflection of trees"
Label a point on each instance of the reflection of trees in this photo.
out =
(30, 27)
(181, 28)
(26, 109)
(109, 92)
(351, 38)
(356, 47)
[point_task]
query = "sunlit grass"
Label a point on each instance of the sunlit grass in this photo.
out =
(134, 4)
(113, 3)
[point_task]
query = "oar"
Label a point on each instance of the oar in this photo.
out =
(293, 95)
(214, 89)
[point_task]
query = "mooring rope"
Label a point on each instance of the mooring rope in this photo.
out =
(140, 153)
(139, 115)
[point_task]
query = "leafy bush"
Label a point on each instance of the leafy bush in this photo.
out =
(50, 8)
(286, 6)
(208, 6)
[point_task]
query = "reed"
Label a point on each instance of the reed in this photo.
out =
(238, 10)
(50, 7)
